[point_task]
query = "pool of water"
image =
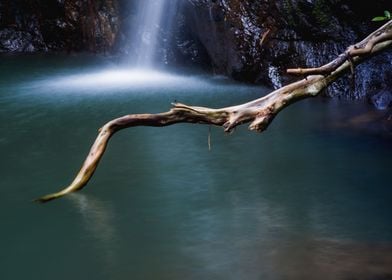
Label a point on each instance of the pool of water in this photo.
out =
(310, 198)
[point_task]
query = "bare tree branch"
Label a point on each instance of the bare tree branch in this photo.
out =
(259, 113)
(362, 48)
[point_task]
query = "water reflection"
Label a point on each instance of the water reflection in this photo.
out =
(275, 242)
(331, 259)
(292, 203)
(274, 257)
(98, 218)
(115, 78)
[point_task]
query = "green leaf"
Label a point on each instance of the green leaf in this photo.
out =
(379, 18)
(387, 14)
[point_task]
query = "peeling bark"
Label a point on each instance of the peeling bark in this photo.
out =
(259, 113)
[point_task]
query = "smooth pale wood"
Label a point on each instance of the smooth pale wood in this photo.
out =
(384, 33)
(259, 113)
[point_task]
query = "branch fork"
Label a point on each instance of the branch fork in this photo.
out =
(259, 113)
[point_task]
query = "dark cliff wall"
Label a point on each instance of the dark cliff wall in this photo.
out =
(222, 35)
(301, 33)
(62, 25)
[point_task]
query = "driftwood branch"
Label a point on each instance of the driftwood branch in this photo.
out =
(363, 48)
(259, 113)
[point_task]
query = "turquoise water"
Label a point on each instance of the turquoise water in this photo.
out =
(310, 198)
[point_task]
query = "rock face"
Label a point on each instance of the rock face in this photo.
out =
(62, 25)
(255, 41)
(248, 40)
(382, 100)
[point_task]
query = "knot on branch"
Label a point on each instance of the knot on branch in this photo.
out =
(238, 117)
(231, 124)
(262, 120)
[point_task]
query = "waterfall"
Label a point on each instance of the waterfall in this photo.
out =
(147, 48)
(152, 21)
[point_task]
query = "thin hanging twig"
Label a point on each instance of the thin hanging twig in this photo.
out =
(259, 112)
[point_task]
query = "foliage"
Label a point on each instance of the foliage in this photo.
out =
(322, 12)
(386, 16)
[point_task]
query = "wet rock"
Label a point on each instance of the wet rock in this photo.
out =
(12, 40)
(74, 25)
(300, 33)
(382, 100)
(252, 41)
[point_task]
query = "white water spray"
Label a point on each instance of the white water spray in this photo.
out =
(154, 20)
(148, 27)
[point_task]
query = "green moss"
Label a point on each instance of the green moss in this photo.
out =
(292, 11)
(322, 12)
(288, 7)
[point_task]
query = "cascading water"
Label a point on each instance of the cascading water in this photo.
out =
(148, 26)
(149, 30)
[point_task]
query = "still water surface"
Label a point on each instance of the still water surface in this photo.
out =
(311, 198)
